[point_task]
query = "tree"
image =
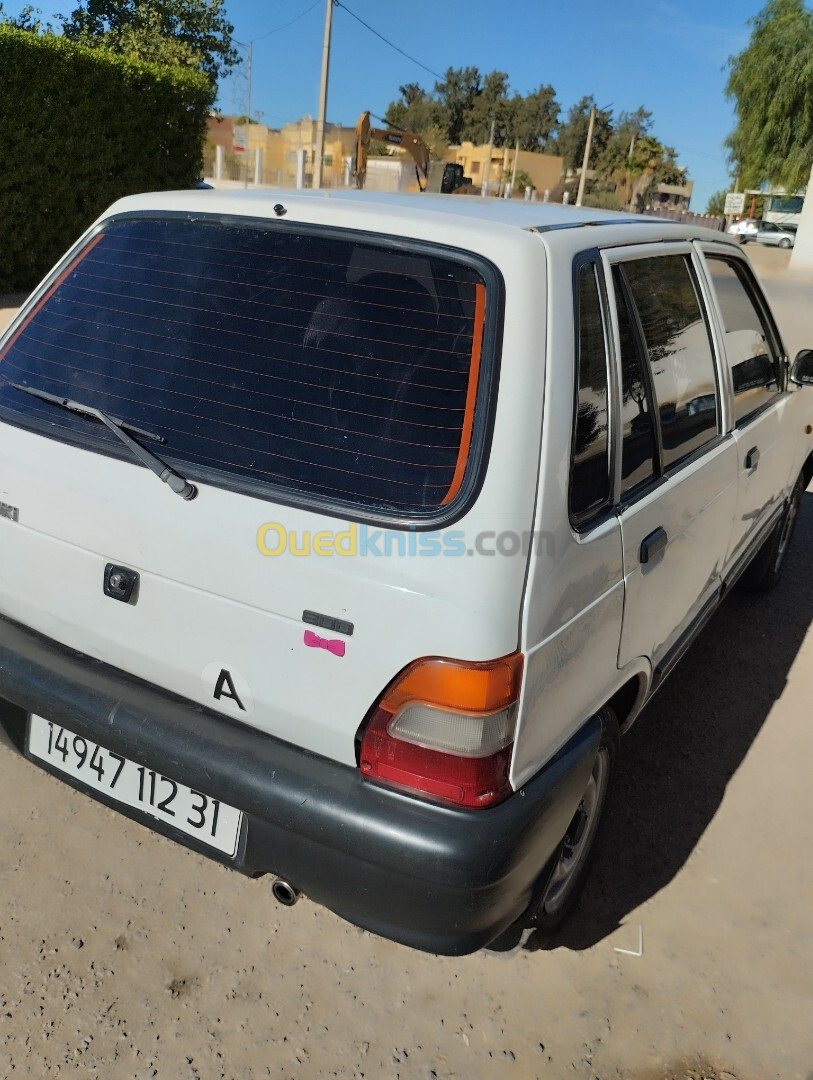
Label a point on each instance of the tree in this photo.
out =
(457, 93)
(464, 104)
(572, 137)
(715, 207)
(415, 110)
(628, 160)
(490, 104)
(771, 82)
(30, 18)
(187, 33)
(626, 133)
(535, 118)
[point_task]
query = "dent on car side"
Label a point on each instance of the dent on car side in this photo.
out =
(380, 633)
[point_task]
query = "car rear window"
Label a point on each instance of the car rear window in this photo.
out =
(324, 365)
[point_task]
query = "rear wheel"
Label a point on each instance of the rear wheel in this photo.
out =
(570, 868)
(764, 572)
(784, 243)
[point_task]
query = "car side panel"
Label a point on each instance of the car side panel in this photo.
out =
(571, 618)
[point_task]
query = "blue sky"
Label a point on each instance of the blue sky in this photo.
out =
(667, 55)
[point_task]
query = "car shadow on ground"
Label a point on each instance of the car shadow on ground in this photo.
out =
(677, 760)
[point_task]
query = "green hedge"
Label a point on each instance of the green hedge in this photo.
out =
(79, 128)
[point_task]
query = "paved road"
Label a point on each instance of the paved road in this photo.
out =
(123, 956)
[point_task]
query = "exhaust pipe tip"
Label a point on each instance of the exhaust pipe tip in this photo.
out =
(285, 893)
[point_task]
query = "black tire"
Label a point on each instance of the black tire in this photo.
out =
(785, 243)
(567, 872)
(765, 569)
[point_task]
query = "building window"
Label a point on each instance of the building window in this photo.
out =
(791, 204)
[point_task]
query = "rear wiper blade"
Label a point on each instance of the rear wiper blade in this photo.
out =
(85, 410)
(173, 480)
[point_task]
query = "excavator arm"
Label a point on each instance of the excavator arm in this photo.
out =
(407, 140)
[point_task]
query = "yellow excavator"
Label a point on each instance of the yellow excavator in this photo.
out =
(452, 180)
(407, 140)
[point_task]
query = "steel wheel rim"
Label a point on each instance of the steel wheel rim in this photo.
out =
(579, 836)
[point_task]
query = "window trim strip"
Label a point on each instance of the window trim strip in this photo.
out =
(471, 394)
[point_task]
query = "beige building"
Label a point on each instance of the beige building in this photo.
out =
(271, 154)
(545, 170)
(340, 144)
(231, 150)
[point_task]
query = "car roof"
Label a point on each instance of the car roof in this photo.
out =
(400, 211)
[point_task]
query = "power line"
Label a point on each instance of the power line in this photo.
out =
(386, 41)
(285, 26)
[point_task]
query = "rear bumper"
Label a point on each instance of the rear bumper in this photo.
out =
(435, 878)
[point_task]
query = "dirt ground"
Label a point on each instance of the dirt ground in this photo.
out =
(691, 955)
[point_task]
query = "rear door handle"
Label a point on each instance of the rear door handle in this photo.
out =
(653, 545)
(752, 458)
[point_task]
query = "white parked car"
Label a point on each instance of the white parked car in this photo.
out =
(449, 486)
(776, 235)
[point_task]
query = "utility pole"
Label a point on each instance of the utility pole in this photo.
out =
(586, 159)
(320, 122)
(486, 178)
(514, 170)
(248, 109)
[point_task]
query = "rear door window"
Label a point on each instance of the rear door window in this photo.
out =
(322, 365)
(590, 466)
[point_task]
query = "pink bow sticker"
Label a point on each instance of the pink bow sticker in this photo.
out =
(334, 646)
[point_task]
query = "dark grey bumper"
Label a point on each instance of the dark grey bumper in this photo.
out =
(433, 877)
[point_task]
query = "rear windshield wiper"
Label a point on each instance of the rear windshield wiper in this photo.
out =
(120, 428)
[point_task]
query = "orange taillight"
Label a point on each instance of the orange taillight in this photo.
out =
(459, 685)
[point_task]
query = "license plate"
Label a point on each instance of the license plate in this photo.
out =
(209, 820)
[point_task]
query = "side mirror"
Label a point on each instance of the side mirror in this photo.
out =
(802, 370)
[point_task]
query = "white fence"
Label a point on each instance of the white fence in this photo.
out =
(226, 168)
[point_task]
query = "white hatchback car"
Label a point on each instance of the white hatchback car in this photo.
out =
(775, 235)
(449, 486)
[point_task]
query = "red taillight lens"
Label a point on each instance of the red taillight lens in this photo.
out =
(445, 728)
